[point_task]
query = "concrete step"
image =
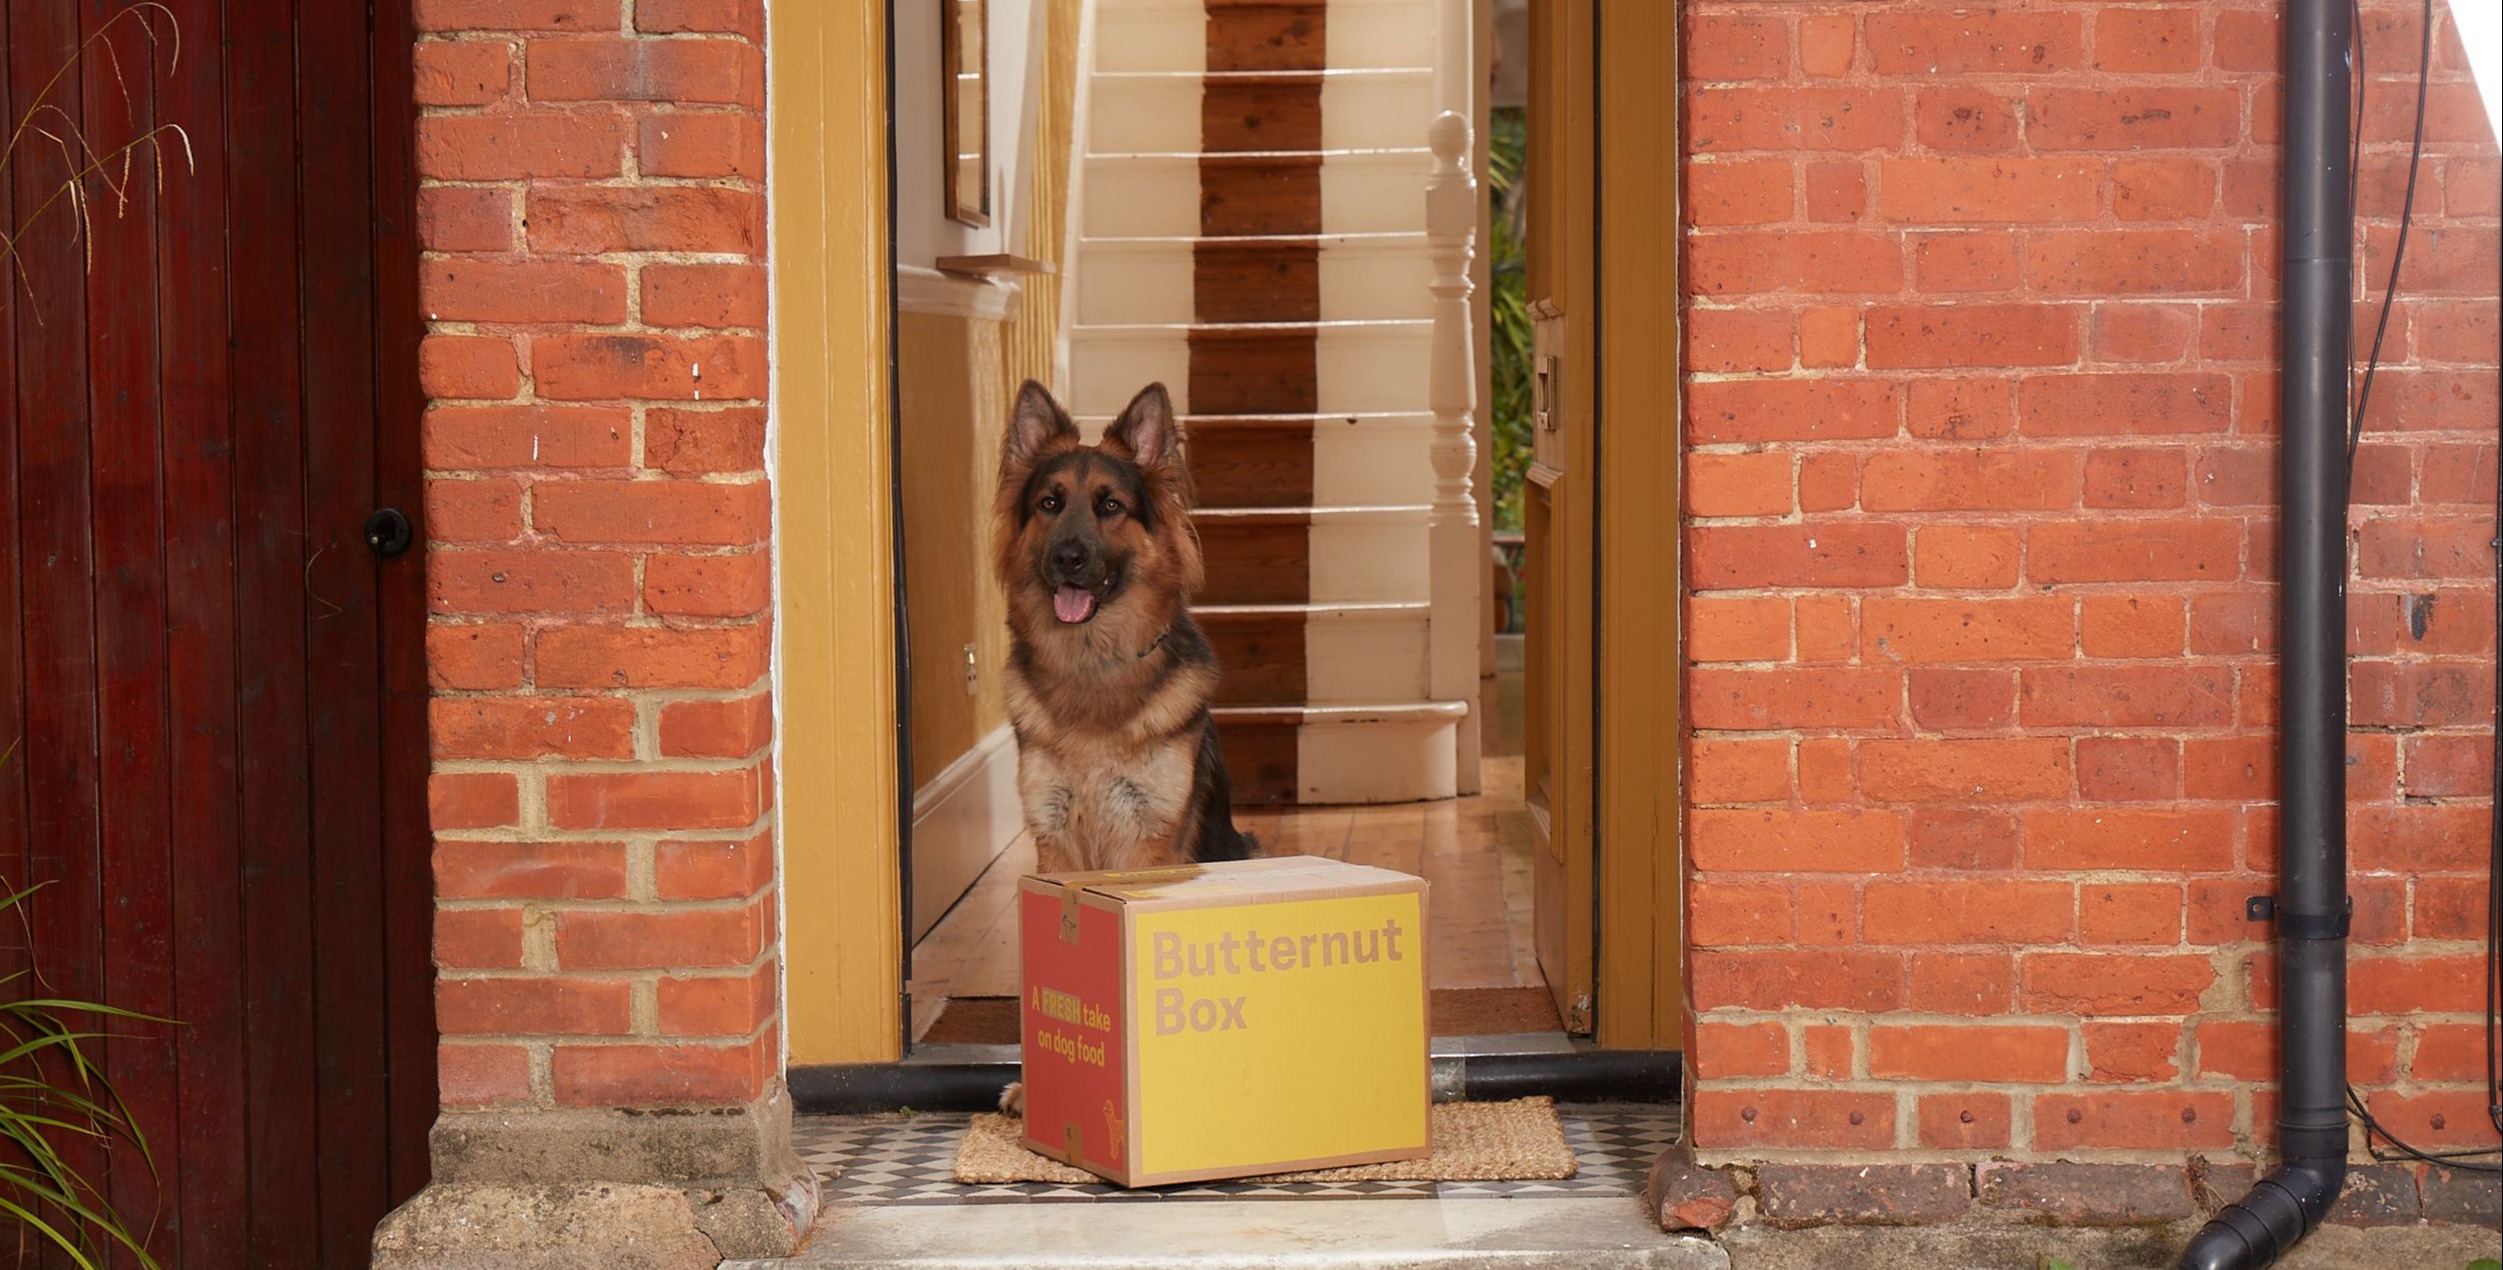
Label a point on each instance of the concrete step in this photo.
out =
(891, 1203)
(1318, 1234)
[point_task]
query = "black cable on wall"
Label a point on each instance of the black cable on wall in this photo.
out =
(2361, 400)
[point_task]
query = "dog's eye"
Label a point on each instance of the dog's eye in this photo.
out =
(1108, 507)
(1051, 502)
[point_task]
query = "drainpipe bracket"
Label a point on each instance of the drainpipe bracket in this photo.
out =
(2294, 925)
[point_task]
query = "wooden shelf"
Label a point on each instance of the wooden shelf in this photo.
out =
(994, 264)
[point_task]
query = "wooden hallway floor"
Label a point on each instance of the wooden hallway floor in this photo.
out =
(1474, 851)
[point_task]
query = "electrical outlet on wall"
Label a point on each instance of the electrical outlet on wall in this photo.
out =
(972, 671)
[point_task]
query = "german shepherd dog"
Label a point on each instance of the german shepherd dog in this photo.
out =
(1108, 679)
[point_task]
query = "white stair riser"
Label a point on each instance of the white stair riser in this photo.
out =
(1371, 462)
(1377, 762)
(1105, 371)
(1144, 116)
(1373, 192)
(1365, 280)
(1369, 559)
(1374, 368)
(1393, 34)
(1370, 111)
(1161, 115)
(1351, 660)
(1151, 198)
(1158, 196)
(1126, 286)
(1161, 37)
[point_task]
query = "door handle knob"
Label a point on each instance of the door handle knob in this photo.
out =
(389, 532)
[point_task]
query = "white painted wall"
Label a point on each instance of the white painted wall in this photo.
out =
(923, 232)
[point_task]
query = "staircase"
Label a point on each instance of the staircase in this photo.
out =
(1251, 231)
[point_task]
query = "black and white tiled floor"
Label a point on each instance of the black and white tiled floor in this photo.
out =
(912, 1160)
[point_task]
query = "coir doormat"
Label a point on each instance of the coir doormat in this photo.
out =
(1512, 1141)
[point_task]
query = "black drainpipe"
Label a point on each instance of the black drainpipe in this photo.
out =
(2311, 904)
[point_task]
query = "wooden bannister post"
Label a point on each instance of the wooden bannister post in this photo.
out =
(1459, 563)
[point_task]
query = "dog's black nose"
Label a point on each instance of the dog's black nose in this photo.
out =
(1070, 558)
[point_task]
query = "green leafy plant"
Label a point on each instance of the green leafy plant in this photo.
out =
(2485, 1263)
(46, 126)
(51, 1093)
(1509, 313)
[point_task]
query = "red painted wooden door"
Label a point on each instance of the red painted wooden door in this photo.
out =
(215, 688)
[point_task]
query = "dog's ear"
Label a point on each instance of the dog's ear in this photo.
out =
(1036, 422)
(1147, 429)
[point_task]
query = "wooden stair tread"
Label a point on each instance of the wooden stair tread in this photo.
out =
(1308, 514)
(1342, 713)
(1255, 242)
(1295, 78)
(1310, 608)
(1256, 330)
(1261, 158)
(1304, 419)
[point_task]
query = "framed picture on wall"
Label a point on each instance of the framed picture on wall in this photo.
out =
(965, 87)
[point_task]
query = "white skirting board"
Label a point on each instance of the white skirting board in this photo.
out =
(962, 820)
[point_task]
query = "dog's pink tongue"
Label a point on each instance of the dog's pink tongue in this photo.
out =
(1073, 604)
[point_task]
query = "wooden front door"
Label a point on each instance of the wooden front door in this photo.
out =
(1601, 514)
(1557, 504)
(214, 686)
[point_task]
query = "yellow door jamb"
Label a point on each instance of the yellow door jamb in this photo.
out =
(842, 875)
(1640, 799)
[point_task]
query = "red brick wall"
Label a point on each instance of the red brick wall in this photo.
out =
(597, 522)
(1981, 409)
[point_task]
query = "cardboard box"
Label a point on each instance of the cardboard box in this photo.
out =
(1224, 1020)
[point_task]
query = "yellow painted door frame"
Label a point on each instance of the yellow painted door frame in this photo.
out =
(834, 535)
(1604, 769)
(1640, 796)
(842, 879)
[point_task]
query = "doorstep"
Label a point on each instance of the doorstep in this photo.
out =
(1479, 1068)
(890, 1204)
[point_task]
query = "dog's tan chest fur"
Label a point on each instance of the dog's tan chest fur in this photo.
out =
(1105, 793)
(1102, 807)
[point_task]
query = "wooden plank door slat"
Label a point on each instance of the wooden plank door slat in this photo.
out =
(264, 194)
(343, 667)
(209, 1196)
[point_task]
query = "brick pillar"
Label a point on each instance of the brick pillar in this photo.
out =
(598, 520)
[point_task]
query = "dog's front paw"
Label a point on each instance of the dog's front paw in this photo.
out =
(1013, 1099)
